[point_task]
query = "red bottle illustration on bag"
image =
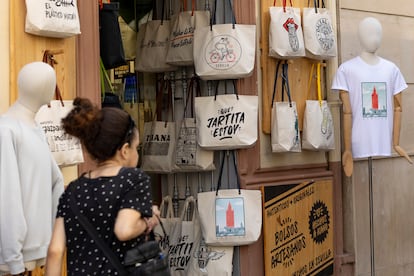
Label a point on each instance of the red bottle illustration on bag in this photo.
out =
(291, 27)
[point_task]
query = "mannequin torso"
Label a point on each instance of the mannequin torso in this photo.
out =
(370, 35)
(30, 180)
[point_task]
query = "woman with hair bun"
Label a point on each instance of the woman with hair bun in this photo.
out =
(115, 196)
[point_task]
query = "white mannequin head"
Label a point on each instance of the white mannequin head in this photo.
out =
(36, 83)
(370, 34)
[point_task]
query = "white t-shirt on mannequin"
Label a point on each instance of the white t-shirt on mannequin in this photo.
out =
(371, 89)
(30, 180)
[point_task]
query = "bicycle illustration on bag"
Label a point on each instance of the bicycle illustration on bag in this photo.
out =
(222, 51)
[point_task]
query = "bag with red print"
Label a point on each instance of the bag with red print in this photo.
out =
(230, 217)
(285, 32)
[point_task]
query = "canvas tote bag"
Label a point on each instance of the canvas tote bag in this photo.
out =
(285, 135)
(160, 137)
(183, 24)
(189, 156)
(168, 222)
(230, 217)
(66, 149)
(319, 36)
(226, 121)
(206, 259)
(152, 45)
(318, 129)
(285, 32)
(47, 18)
(224, 51)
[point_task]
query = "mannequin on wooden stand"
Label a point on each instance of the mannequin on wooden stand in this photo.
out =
(370, 36)
(30, 180)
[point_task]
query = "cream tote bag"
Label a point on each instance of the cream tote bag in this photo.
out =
(189, 156)
(152, 46)
(224, 51)
(226, 121)
(183, 24)
(285, 135)
(52, 18)
(285, 32)
(319, 36)
(230, 217)
(318, 128)
(159, 139)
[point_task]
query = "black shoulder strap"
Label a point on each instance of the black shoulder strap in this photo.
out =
(95, 236)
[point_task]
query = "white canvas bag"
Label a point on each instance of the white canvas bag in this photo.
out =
(319, 36)
(226, 121)
(66, 149)
(189, 156)
(230, 217)
(318, 129)
(285, 32)
(168, 223)
(152, 45)
(183, 24)
(285, 135)
(159, 139)
(206, 259)
(224, 51)
(52, 18)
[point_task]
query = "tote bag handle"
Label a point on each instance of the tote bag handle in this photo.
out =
(226, 153)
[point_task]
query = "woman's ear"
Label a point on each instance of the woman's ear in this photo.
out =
(124, 151)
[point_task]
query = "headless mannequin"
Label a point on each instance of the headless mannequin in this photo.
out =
(370, 36)
(22, 147)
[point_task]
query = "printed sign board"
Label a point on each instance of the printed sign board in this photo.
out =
(298, 229)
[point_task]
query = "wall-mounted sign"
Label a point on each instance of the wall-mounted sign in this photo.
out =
(298, 229)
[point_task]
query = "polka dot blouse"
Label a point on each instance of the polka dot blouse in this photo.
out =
(100, 199)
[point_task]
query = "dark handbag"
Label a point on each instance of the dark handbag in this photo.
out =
(144, 260)
(110, 39)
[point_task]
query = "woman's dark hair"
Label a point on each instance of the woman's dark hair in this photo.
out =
(101, 131)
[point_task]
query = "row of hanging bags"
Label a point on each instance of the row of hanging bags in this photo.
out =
(318, 129)
(224, 51)
(183, 24)
(189, 156)
(285, 136)
(226, 121)
(159, 139)
(288, 40)
(152, 44)
(230, 217)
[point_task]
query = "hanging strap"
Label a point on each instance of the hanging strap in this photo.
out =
(318, 81)
(285, 82)
(226, 153)
(225, 91)
(213, 19)
(193, 85)
(275, 82)
(93, 233)
(50, 59)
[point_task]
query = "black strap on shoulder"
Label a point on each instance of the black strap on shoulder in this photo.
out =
(95, 236)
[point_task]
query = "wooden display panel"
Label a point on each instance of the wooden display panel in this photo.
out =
(299, 70)
(298, 229)
(26, 48)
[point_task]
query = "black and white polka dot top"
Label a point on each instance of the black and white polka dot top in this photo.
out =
(100, 199)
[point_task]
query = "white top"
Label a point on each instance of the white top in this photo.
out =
(30, 186)
(371, 89)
